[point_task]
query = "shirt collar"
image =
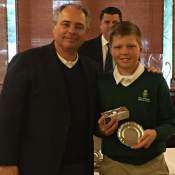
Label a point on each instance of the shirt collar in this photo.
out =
(104, 41)
(69, 64)
(127, 80)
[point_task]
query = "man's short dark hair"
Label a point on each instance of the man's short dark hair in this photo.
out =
(111, 11)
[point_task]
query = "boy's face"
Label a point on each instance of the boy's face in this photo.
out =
(125, 51)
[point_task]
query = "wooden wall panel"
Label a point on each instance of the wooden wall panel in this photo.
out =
(3, 40)
(147, 14)
(34, 23)
(35, 20)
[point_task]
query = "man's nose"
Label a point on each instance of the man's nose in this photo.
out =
(111, 24)
(72, 29)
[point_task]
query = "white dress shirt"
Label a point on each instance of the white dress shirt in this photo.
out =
(104, 43)
(68, 64)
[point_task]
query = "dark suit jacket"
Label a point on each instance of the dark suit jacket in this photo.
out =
(93, 49)
(35, 115)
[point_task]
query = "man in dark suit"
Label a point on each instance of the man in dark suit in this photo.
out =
(97, 48)
(48, 104)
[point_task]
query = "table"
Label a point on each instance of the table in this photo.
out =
(170, 159)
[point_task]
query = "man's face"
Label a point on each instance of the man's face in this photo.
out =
(70, 29)
(107, 22)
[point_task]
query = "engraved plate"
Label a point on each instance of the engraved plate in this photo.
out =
(129, 133)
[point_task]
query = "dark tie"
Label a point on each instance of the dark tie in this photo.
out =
(108, 62)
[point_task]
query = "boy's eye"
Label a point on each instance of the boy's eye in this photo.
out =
(131, 46)
(117, 47)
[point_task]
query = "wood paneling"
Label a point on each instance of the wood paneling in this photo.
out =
(35, 20)
(3, 40)
(147, 14)
(34, 23)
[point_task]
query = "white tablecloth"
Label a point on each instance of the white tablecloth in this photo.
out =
(170, 159)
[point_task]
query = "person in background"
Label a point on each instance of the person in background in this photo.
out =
(98, 48)
(48, 104)
(146, 96)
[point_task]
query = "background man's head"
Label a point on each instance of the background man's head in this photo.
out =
(108, 17)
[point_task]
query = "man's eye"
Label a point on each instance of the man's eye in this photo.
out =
(65, 24)
(115, 22)
(106, 22)
(79, 27)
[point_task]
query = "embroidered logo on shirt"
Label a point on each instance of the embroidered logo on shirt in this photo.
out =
(145, 96)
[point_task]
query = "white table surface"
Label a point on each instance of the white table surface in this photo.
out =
(170, 159)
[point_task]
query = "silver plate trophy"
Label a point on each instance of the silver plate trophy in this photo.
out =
(120, 113)
(129, 133)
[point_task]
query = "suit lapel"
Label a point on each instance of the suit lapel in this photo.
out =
(99, 52)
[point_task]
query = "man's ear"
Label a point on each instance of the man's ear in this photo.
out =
(53, 30)
(86, 34)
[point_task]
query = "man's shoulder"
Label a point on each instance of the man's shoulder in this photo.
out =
(153, 75)
(36, 51)
(153, 78)
(93, 40)
(91, 43)
(30, 56)
(90, 47)
(32, 53)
